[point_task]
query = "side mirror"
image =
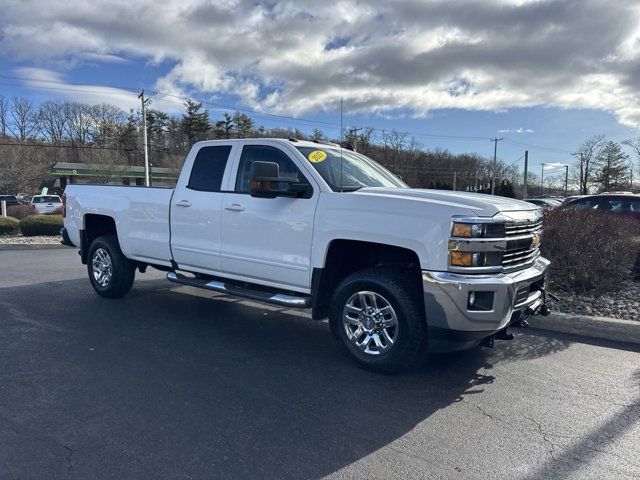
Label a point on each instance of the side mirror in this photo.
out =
(267, 183)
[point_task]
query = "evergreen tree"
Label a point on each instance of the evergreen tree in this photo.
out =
(195, 122)
(614, 164)
(225, 126)
(318, 135)
(243, 124)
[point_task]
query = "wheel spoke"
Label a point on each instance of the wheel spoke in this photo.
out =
(353, 309)
(387, 337)
(364, 297)
(378, 342)
(352, 321)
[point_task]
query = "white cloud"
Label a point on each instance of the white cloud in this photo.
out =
(553, 165)
(516, 130)
(55, 83)
(301, 56)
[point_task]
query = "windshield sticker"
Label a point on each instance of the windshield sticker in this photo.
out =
(317, 156)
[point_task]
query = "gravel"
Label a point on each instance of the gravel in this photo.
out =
(38, 240)
(623, 303)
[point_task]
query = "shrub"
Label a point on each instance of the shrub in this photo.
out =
(9, 226)
(589, 250)
(21, 211)
(41, 225)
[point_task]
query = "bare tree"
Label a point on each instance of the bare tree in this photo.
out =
(79, 122)
(22, 168)
(588, 156)
(24, 118)
(52, 120)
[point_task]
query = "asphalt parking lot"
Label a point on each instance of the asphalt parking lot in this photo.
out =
(174, 383)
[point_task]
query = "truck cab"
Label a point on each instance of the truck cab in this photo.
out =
(398, 271)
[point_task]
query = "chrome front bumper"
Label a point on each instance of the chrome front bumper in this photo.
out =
(446, 296)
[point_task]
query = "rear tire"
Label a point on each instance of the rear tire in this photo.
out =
(368, 302)
(110, 272)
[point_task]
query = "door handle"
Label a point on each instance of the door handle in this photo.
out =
(183, 203)
(234, 207)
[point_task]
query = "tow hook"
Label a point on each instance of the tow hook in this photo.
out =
(504, 335)
(489, 341)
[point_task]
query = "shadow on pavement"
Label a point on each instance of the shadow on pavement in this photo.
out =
(166, 385)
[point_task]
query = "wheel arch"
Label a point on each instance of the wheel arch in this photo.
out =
(95, 225)
(344, 256)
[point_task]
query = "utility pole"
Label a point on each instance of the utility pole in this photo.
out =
(144, 140)
(542, 180)
(455, 174)
(495, 157)
(566, 180)
(526, 173)
(353, 131)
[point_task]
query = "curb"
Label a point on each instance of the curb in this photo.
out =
(31, 246)
(605, 328)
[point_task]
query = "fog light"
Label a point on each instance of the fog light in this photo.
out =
(480, 301)
(472, 298)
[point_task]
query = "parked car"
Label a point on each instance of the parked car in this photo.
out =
(46, 203)
(24, 198)
(544, 203)
(398, 271)
(627, 204)
(10, 199)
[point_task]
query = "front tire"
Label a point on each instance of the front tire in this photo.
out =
(378, 316)
(110, 272)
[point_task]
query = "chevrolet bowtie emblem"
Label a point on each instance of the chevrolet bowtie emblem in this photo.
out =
(535, 240)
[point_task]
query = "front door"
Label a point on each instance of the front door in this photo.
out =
(268, 240)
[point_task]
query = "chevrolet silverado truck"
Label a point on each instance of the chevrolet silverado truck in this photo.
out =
(398, 271)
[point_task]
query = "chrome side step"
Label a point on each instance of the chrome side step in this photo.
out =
(282, 299)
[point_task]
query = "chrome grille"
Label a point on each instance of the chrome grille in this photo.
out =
(522, 293)
(520, 250)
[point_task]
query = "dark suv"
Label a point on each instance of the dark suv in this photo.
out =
(10, 199)
(622, 204)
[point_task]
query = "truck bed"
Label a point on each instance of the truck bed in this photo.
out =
(141, 215)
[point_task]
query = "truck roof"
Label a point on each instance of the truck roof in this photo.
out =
(290, 141)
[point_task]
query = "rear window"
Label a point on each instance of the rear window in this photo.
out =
(208, 168)
(47, 199)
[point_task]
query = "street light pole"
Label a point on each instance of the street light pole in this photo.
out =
(566, 180)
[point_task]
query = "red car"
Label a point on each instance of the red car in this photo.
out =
(623, 204)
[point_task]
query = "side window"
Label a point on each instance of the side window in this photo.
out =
(264, 153)
(208, 168)
(585, 204)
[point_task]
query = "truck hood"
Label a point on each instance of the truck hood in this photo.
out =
(481, 204)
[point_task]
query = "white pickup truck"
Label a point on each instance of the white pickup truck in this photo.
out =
(398, 271)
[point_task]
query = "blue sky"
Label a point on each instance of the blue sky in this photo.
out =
(547, 74)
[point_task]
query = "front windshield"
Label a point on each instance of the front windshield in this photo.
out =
(348, 171)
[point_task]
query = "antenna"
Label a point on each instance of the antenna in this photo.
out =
(341, 140)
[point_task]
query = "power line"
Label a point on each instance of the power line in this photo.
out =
(167, 97)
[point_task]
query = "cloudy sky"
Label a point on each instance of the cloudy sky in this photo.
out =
(453, 73)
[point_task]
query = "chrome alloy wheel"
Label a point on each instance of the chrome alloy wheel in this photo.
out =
(370, 322)
(102, 267)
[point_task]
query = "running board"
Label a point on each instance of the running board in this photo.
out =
(282, 299)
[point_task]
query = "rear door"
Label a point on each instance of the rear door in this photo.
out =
(268, 240)
(196, 207)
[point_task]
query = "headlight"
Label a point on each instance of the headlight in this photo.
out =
(477, 230)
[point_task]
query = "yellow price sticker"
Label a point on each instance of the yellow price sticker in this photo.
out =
(317, 156)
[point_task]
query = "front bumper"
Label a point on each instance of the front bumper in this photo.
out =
(453, 326)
